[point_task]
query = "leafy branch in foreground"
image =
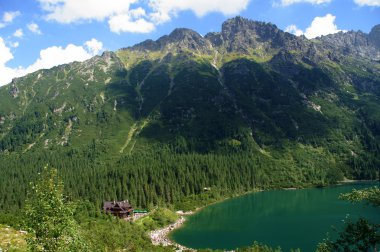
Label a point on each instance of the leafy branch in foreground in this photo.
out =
(257, 247)
(356, 236)
(370, 195)
(360, 235)
(49, 219)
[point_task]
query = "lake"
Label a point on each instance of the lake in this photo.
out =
(285, 218)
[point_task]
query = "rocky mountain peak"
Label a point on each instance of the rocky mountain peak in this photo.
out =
(355, 43)
(180, 34)
(246, 36)
(179, 39)
(374, 35)
(239, 24)
(241, 34)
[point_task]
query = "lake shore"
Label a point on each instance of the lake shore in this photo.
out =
(161, 236)
(251, 209)
(346, 180)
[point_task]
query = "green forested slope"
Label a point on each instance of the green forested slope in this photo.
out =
(250, 107)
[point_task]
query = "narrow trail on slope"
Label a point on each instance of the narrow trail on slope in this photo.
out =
(133, 133)
(138, 126)
(26, 101)
(129, 137)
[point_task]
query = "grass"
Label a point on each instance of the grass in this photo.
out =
(11, 239)
(158, 218)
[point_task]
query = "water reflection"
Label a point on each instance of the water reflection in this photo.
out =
(291, 219)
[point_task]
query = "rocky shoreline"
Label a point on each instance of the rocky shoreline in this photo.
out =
(161, 236)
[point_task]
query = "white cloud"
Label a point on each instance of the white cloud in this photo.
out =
(69, 11)
(123, 19)
(319, 26)
(294, 30)
(322, 26)
(290, 2)
(57, 55)
(18, 33)
(131, 22)
(122, 23)
(33, 27)
(163, 10)
(94, 46)
(5, 53)
(49, 57)
(120, 17)
(14, 45)
(8, 17)
(137, 13)
(6, 73)
(375, 3)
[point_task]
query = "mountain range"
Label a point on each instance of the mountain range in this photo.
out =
(268, 108)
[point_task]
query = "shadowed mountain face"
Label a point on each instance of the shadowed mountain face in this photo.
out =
(250, 88)
(374, 36)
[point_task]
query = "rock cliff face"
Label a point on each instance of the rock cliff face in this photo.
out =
(237, 35)
(241, 35)
(354, 43)
(374, 36)
(181, 39)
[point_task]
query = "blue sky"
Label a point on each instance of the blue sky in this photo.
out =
(37, 34)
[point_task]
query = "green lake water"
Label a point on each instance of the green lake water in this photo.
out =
(285, 218)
